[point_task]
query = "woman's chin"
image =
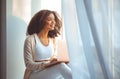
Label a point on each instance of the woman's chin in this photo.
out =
(52, 28)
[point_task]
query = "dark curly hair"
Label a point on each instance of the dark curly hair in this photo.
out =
(38, 21)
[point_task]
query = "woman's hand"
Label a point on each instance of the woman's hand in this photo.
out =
(52, 61)
(53, 58)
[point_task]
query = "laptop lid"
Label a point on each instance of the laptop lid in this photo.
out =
(62, 52)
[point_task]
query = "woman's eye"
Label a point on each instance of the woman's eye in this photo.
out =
(48, 18)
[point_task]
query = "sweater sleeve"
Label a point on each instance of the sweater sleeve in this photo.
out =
(28, 57)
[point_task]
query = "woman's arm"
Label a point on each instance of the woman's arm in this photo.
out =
(28, 57)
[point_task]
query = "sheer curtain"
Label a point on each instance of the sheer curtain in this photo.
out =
(92, 34)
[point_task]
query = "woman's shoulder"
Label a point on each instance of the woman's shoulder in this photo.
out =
(30, 37)
(29, 41)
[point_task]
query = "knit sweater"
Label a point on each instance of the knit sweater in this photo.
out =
(29, 59)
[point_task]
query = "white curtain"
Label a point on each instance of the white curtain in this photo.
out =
(92, 34)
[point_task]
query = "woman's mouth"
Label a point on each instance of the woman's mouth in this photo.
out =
(52, 25)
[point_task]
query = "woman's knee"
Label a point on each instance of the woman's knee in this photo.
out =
(64, 68)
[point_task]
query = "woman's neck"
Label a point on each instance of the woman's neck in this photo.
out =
(43, 36)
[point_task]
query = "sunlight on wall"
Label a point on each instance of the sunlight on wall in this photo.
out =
(22, 9)
(51, 5)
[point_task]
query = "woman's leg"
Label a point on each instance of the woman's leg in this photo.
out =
(64, 70)
(53, 72)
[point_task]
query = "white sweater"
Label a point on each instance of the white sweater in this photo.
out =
(29, 60)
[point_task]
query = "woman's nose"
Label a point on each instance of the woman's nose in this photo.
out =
(53, 22)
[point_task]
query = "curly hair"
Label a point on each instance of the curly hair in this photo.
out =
(38, 21)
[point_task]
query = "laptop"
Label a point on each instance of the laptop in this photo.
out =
(62, 52)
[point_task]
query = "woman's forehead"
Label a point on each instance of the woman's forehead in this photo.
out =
(51, 15)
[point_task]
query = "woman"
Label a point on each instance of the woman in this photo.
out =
(40, 46)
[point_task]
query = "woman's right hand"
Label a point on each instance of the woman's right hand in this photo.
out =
(53, 58)
(53, 61)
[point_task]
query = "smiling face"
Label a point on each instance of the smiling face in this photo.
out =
(47, 21)
(50, 22)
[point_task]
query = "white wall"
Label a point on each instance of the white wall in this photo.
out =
(15, 29)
